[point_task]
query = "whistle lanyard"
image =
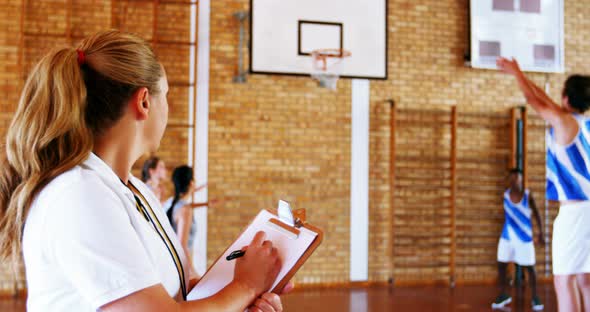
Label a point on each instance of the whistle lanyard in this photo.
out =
(150, 216)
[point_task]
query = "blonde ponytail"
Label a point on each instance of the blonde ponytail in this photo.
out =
(64, 105)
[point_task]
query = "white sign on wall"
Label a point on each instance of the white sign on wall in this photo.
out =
(531, 31)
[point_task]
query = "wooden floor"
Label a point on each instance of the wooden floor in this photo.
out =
(420, 299)
(405, 299)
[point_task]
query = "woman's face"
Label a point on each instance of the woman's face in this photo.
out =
(158, 117)
(515, 180)
(161, 171)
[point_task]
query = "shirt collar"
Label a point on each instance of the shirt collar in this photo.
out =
(105, 172)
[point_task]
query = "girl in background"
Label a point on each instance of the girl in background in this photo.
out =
(153, 173)
(179, 208)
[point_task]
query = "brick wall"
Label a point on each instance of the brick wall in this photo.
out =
(277, 138)
(254, 128)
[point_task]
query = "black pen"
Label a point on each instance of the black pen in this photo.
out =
(235, 254)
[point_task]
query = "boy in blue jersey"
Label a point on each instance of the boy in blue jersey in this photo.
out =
(516, 243)
(568, 181)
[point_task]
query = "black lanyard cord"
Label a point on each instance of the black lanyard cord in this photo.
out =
(163, 236)
(140, 208)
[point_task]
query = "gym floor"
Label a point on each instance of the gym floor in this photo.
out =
(381, 299)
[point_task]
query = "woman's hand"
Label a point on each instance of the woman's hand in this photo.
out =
(507, 66)
(200, 187)
(269, 302)
(288, 288)
(209, 204)
(214, 202)
(259, 267)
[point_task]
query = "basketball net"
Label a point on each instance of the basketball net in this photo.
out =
(327, 65)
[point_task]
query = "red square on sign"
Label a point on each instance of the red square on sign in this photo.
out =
(530, 6)
(503, 5)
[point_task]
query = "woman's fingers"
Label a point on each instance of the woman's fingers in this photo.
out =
(264, 305)
(274, 300)
(288, 288)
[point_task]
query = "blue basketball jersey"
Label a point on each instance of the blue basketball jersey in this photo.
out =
(517, 218)
(568, 177)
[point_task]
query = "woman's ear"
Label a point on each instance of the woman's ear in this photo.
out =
(565, 103)
(140, 103)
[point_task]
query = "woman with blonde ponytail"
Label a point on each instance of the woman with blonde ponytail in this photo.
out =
(92, 236)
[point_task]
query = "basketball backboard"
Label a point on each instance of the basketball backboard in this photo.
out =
(284, 33)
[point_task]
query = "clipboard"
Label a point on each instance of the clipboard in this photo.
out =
(295, 245)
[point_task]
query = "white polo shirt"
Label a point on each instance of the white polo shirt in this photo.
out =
(86, 245)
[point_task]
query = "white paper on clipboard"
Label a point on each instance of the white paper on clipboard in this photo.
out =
(290, 249)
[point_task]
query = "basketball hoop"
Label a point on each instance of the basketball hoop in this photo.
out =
(327, 66)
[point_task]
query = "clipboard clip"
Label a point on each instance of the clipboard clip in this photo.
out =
(295, 218)
(300, 217)
(291, 225)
